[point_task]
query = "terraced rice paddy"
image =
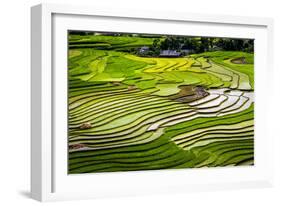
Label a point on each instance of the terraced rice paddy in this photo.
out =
(129, 113)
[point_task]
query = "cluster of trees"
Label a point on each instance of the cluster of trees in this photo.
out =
(202, 44)
(227, 44)
(183, 43)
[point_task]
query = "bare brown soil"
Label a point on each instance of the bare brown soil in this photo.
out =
(76, 146)
(189, 94)
(240, 60)
(86, 125)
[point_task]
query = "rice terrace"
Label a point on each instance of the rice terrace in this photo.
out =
(145, 102)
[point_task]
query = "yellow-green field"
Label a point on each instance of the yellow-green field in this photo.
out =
(128, 112)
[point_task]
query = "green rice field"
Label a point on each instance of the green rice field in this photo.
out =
(129, 112)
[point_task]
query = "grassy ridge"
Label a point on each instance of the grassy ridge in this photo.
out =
(108, 42)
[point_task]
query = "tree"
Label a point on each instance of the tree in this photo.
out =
(204, 46)
(156, 47)
(211, 43)
(238, 44)
(164, 44)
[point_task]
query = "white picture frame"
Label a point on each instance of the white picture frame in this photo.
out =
(49, 179)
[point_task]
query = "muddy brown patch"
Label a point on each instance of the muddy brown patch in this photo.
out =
(86, 125)
(240, 60)
(189, 93)
(76, 146)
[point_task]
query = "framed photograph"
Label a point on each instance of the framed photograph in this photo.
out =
(137, 102)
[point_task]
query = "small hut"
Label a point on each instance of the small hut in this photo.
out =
(169, 53)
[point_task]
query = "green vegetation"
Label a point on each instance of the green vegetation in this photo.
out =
(130, 110)
(107, 42)
(225, 58)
